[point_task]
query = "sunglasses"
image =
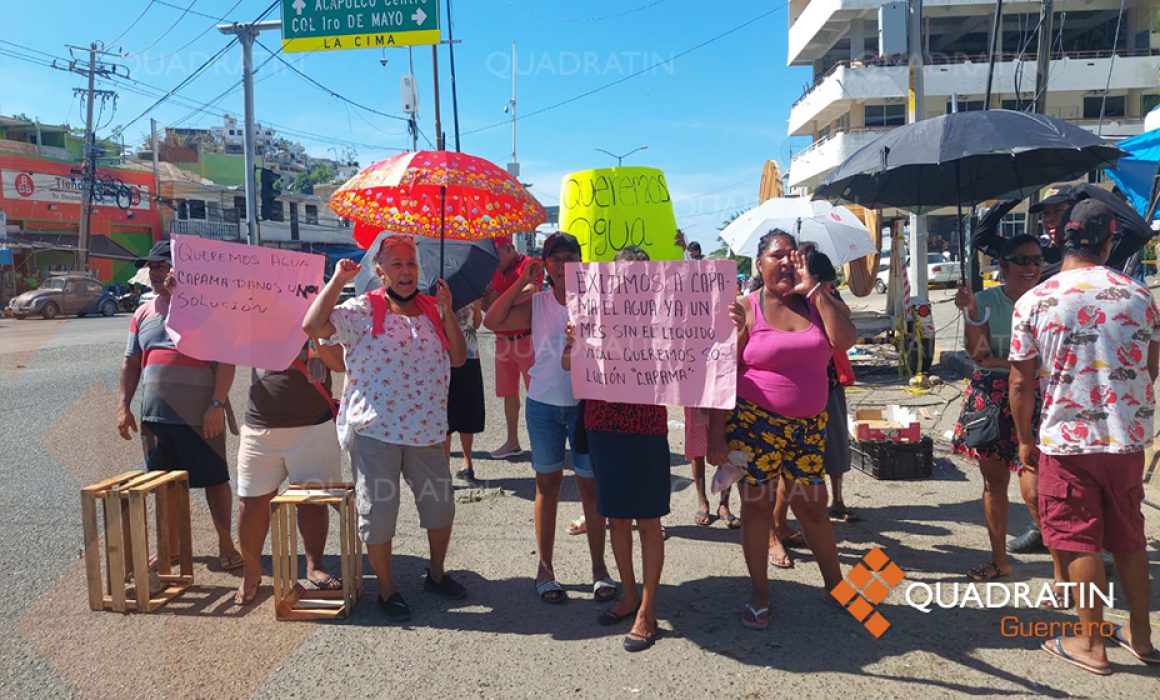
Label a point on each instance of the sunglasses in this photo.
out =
(1026, 260)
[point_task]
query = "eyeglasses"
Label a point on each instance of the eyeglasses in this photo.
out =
(1025, 260)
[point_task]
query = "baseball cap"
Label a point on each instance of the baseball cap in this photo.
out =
(1053, 195)
(158, 253)
(502, 240)
(1089, 223)
(559, 240)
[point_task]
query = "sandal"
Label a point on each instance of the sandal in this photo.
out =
(604, 590)
(731, 521)
(760, 617)
(785, 561)
(551, 592)
(987, 572)
(1060, 600)
(229, 562)
(1152, 657)
(843, 515)
(702, 518)
(243, 596)
(330, 583)
(1055, 648)
(578, 526)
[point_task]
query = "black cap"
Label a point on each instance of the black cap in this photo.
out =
(558, 240)
(1053, 195)
(158, 253)
(1089, 223)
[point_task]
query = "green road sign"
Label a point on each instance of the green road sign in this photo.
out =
(332, 25)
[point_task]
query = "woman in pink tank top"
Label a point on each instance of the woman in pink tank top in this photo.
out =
(787, 332)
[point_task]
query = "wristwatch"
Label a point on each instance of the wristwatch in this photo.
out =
(216, 404)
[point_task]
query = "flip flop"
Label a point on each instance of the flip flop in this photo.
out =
(1152, 657)
(551, 592)
(578, 526)
(987, 572)
(330, 583)
(229, 562)
(760, 619)
(731, 521)
(843, 516)
(242, 597)
(702, 518)
(1055, 648)
(784, 562)
(604, 590)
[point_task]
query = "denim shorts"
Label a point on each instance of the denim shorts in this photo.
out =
(548, 427)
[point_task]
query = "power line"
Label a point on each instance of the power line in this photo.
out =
(207, 30)
(131, 24)
(630, 76)
(325, 89)
(170, 28)
(190, 11)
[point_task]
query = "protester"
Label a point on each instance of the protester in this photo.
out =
(288, 431)
(629, 451)
(787, 332)
(465, 407)
(183, 404)
(514, 354)
(400, 346)
(694, 251)
(552, 413)
(986, 431)
(1092, 338)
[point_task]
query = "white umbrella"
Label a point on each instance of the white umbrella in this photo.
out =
(835, 230)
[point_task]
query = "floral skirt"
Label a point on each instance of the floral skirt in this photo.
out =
(991, 388)
(778, 445)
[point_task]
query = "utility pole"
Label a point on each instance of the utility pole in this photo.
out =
(915, 113)
(513, 167)
(413, 125)
(89, 157)
(454, 91)
(996, 32)
(247, 33)
(155, 146)
(438, 118)
(1042, 72)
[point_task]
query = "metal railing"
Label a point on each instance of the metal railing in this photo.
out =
(947, 59)
(219, 230)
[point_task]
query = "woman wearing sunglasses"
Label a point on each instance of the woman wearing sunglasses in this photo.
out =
(985, 430)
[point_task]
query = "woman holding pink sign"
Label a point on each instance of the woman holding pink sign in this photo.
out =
(787, 332)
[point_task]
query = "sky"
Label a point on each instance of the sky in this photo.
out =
(711, 100)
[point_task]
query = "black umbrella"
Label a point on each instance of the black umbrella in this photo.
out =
(1133, 231)
(469, 266)
(965, 158)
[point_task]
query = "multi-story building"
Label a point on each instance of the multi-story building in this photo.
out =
(855, 94)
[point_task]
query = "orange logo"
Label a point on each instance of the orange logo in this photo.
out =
(866, 586)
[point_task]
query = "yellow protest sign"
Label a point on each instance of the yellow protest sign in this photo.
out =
(609, 209)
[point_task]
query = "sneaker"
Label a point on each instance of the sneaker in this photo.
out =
(465, 474)
(1028, 542)
(395, 608)
(447, 587)
(506, 451)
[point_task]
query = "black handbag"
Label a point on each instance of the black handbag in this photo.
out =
(983, 427)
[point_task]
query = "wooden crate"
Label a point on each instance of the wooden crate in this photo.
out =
(122, 504)
(292, 601)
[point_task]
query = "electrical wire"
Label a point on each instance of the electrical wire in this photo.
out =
(1111, 64)
(164, 33)
(207, 30)
(131, 24)
(630, 76)
(600, 18)
(333, 93)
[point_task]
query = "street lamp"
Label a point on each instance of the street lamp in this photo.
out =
(620, 158)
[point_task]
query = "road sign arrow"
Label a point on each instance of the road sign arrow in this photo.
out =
(299, 6)
(420, 16)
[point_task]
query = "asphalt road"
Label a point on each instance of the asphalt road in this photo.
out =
(57, 396)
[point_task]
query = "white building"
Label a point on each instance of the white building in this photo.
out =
(855, 94)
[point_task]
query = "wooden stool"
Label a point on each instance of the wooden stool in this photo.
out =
(124, 504)
(291, 600)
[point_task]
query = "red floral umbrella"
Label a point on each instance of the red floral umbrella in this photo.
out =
(437, 194)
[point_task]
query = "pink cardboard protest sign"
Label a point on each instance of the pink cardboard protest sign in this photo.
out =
(241, 304)
(654, 332)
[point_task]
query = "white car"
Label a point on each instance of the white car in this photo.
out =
(939, 270)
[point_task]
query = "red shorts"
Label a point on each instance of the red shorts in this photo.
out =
(514, 356)
(1092, 502)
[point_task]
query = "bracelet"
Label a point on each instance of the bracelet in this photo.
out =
(810, 294)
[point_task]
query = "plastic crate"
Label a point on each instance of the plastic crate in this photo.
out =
(893, 460)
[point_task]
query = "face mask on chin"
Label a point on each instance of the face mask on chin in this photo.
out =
(400, 299)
